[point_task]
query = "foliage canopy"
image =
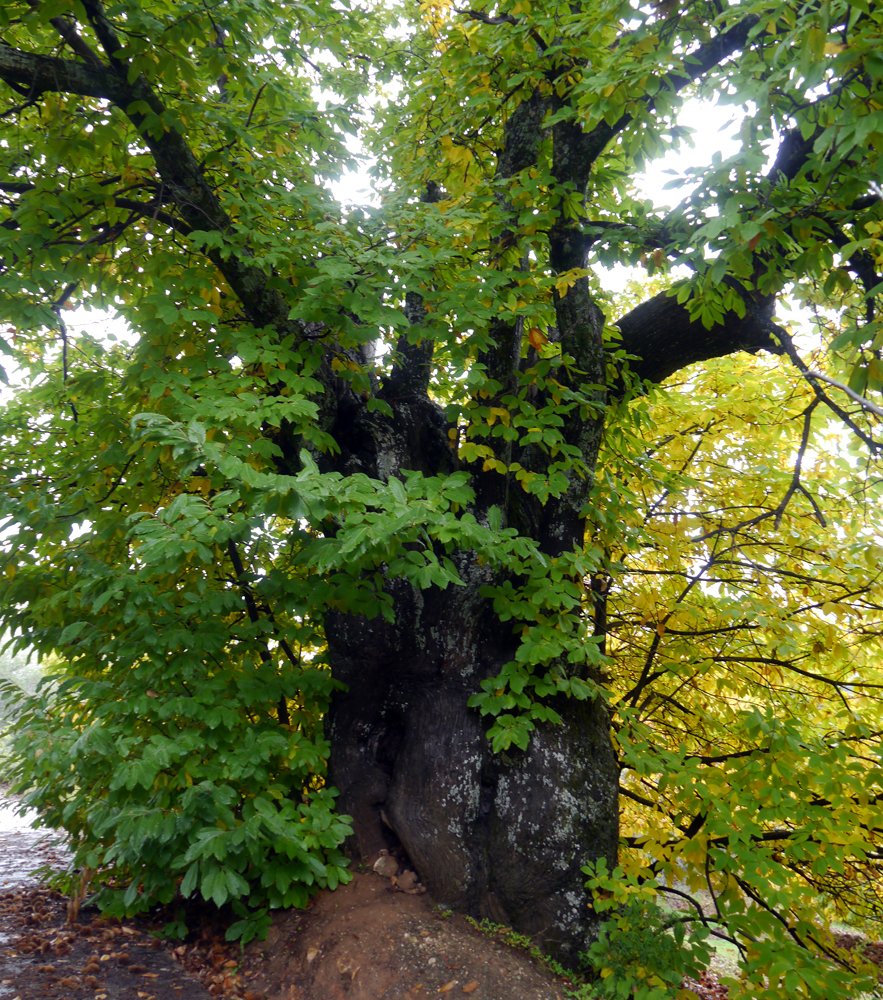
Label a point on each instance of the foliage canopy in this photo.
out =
(326, 428)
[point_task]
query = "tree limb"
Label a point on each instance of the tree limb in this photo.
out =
(864, 403)
(66, 26)
(696, 65)
(661, 336)
(875, 447)
(180, 173)
(33, 75)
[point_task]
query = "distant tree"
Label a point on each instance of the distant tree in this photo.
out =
(393, 490)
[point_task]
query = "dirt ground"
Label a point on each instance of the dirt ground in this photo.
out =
(365, 941)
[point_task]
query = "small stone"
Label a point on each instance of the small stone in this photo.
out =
(386, 865)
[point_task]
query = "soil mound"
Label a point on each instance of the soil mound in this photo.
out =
(367, 941)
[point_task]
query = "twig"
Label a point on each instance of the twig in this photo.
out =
(861, 400)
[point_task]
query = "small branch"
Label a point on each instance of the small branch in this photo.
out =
(254, 104)
(66, 26)
(254, 616)
(813, 378)
(57, 306)
(861, 400)
(478, 15)
(640, 799)
(795, 485)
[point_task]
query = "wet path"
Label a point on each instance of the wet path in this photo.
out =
(24, 849)
(43, 957)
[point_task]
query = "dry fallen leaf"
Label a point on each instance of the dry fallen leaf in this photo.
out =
(471, 986)
(448, 986)
(407, 881)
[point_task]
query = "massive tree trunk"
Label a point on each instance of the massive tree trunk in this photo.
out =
(500, 836)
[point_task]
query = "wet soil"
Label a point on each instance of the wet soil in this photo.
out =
(41, 956)
(44, 957)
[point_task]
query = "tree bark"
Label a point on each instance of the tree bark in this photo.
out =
(498, 836)
(661, 336)
(502, 836)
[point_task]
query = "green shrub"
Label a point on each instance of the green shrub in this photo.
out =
(198, 792)
(644, 953)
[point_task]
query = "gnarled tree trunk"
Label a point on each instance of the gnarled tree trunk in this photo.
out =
(499, 836)
(502, 836)
(505, 835)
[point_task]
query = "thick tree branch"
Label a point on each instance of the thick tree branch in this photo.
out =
(522, 135)
(34, 75)
(182, 177)
(663, 338)
(411, 371)
(105, 33)
(661, 335)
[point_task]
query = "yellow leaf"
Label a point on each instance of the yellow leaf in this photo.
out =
(537, 338)
(455, 154)
(567, 279)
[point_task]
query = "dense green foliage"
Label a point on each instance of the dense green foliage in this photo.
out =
(182, 511)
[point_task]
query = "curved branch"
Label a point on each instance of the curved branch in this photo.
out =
(661, 336)
(181, 175)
